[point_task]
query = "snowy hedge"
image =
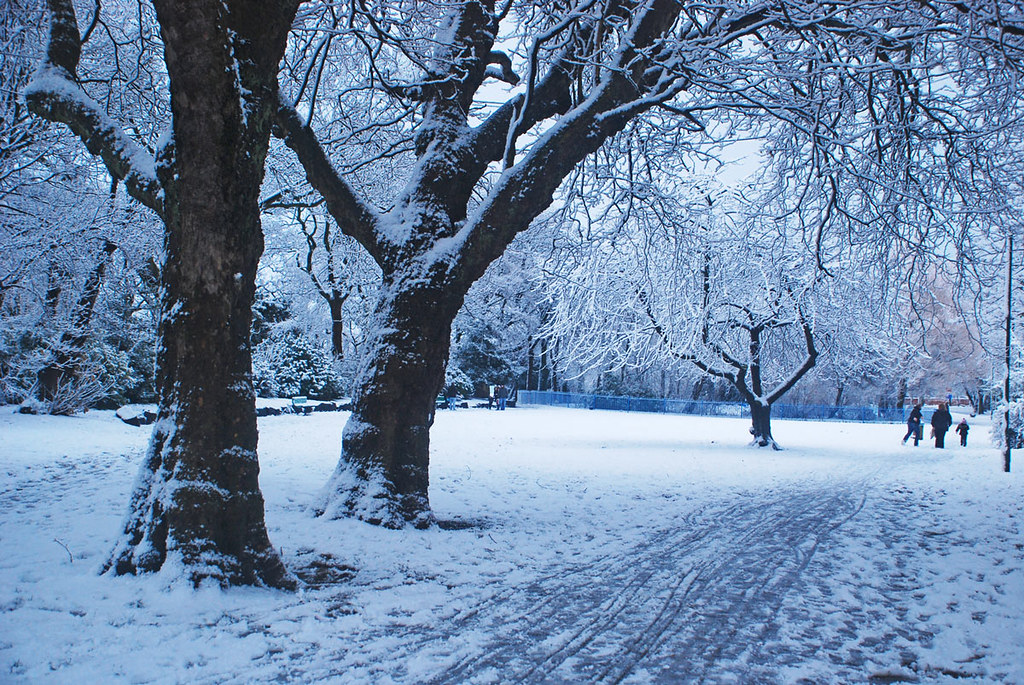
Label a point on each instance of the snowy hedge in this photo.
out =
(1016, 425)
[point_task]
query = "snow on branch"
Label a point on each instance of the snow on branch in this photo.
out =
(500, 68)
(53, 93)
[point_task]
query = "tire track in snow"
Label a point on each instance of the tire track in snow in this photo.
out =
(695, 598)
(444, 642)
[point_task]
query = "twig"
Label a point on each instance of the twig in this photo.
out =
(71, 557)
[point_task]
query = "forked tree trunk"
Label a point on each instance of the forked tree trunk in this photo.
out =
(383, 474)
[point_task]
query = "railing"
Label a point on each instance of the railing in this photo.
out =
(697, 408)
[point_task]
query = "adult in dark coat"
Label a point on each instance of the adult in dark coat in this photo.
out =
(941, 421)
(914, 425)
(501, 394)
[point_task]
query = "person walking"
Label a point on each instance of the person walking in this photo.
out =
(914, 425)
(501, 395)
(941, 421)
(962, 429)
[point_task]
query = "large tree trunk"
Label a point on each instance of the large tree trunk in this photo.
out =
(198, 500)
(383, 474)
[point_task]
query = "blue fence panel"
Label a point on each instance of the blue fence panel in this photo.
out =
(698, 408)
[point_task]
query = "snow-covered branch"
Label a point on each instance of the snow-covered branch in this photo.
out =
(54, 93)
(355, 216)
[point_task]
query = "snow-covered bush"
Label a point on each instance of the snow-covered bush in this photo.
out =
(16, 372)
(106, 376)
(478, 354)
(77, 393)
(287, 363)
(457, 380)
(1016, 425)
(127, 375)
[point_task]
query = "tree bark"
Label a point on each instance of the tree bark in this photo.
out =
(199, 498)
(383, 476)
(336, 303)
(544, 375)
(761, 424)
(698, 388)
(197, 501)
(840, 388)
(531, 375)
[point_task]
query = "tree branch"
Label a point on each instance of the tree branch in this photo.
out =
(527, 189)
(354, 216)
(53, 93)
(808, 363)
(500, 67)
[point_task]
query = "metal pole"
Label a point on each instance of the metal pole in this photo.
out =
(1009, 324)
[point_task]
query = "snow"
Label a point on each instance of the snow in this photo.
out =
(577, 546)
(50, 81)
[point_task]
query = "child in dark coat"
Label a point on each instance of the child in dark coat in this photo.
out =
(962, 429)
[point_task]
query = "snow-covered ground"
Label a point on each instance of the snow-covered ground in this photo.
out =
(577, 546)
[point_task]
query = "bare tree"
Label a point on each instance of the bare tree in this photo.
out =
(336, 269)
(483, 173)
(428, 246)
(676, 281)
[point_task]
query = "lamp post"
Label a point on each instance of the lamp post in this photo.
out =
(1008, 432)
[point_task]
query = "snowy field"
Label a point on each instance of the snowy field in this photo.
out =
(577, 546)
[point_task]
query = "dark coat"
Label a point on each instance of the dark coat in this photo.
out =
(941, 420)
(914, 419)
(962, 428)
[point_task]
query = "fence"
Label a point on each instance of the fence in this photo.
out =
(665, 406)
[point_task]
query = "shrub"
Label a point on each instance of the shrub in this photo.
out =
(288, 363)
(1016, 425)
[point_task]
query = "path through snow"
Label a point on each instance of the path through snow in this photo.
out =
(693, 599)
